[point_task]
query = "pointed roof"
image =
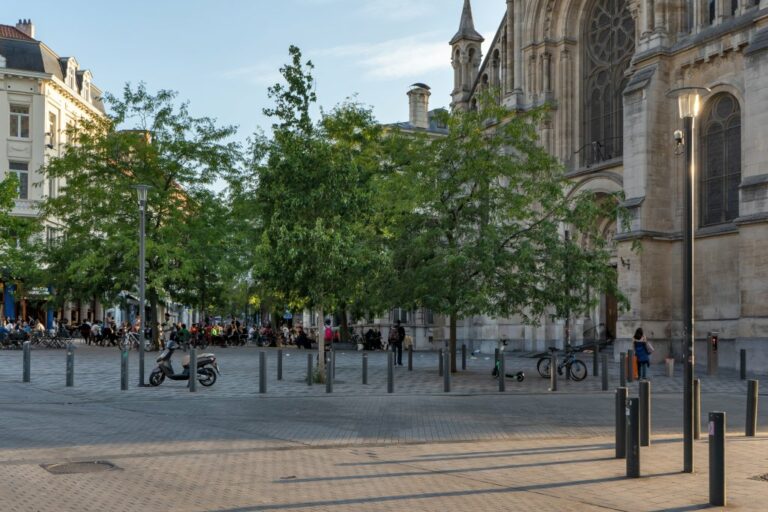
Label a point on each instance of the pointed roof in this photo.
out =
(467, 26)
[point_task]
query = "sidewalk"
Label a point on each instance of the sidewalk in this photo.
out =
(230, 449)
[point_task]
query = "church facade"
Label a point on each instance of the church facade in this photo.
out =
(605, 68)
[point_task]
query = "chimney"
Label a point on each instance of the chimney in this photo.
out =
(27, 27)
(418, 103)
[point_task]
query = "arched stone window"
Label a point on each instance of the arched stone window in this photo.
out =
(720, 157)
(609, 45)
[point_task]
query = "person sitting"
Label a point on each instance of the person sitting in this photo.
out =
(39, 328)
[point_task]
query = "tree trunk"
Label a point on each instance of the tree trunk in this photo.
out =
(344, 325)
(321, 345)
(452, 341)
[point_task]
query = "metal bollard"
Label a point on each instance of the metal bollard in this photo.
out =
(410, 358)
(391, 373)
(463, 356)
(633, 438)
(717, 459)
(623, 369)
(70, 365)
(630, 365)
(446, 374)
(743, 364)
(440, 363)
(605, 372)
(712, 357)
(751, 428)
(262, 372)
(696, 409)
(26, 362)
(645, 413)
(621, 423)
(365, 369)
(502, 370)
(329, 376)
(192, 370)
(553, 372)
(333, 364)
(124, 369)
(309, 370)
(595, 357)
(280, 364)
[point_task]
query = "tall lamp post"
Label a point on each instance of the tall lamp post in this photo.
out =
(142, 193)
(688, 102)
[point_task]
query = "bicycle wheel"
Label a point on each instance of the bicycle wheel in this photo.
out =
(543, 366)
(578, 371)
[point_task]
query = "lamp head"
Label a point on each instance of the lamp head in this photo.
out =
(141, 191)
(688, 100)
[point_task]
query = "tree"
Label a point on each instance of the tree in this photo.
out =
(147, 139)
(312, 195)
(19, 246)
(479, 219)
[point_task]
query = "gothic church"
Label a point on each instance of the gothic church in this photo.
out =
(606, 67)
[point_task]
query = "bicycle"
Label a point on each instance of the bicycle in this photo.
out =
(575, 369)
(130, 340)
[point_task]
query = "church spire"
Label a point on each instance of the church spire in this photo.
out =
(467, 26)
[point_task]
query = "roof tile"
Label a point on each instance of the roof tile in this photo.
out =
(11, 32)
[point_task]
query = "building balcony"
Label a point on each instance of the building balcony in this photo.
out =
(26, 208)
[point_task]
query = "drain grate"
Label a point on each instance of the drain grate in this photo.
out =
(75, 468)
(760, 478)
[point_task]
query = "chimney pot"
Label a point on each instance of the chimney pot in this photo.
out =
(26, 26)
(418, 103)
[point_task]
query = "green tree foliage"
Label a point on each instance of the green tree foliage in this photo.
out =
(479, 218)
(311, 187)
(19, 246)
(148, 139)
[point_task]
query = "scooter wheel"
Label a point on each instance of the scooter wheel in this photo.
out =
(156, 378)
(206, 377)
(520, 377)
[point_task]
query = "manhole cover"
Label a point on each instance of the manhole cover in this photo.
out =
(72, 468)
(761, 478)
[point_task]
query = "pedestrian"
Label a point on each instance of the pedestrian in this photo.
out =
(302, 341)
(643, 351)
(85, 331)
(396, 338)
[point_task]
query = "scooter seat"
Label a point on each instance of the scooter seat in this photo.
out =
(185, 359)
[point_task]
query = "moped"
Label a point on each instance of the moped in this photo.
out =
(207, 367)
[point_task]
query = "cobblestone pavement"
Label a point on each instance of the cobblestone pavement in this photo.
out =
(97, 375)
(229, 449)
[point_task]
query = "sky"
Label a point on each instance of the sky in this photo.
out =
(221, 55)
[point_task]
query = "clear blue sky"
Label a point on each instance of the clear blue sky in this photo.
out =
(221, 55)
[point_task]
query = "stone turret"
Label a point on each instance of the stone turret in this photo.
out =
(466, 58)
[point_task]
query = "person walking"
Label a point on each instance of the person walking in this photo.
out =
(643, 351)
(396, 338)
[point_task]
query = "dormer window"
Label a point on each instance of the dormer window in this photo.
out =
(85, 91)
(71, 76)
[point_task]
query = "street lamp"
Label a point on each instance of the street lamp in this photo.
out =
(688, 103)
(142, 193)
